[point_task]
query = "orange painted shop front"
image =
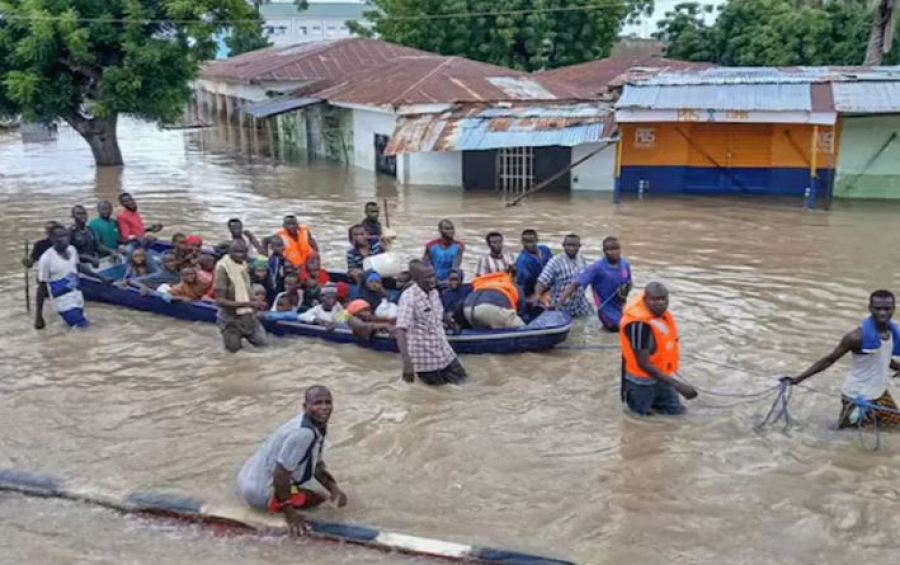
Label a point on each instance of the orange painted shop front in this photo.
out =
(725, 158)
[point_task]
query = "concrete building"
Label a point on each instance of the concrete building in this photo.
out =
(434, 120)
(285, 25)
(225, 87)
(793, 131)
(868, 165)
(727, 131)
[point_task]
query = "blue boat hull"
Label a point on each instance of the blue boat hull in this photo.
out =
(551, 329)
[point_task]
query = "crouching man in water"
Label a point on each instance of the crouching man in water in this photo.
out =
(873, 344)
(287, 473)
(650, 355)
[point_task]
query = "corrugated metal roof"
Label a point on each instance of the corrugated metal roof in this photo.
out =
(596, 76)
(329, 60)
(867, 97)
(430, 79)
(474, 128)
(275, 106)
(747, 97)
(769, 75)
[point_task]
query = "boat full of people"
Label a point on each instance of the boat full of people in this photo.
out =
(544, 332)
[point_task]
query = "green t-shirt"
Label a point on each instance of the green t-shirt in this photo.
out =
(106, 231)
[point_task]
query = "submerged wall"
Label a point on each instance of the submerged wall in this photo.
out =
(869, 162)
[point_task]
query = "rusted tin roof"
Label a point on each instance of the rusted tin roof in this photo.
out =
(479, 126)
(431, 79)
(307, 62)
(598, 76)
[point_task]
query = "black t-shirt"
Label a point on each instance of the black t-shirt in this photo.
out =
(39, 248)
(84, 241)
(372, 226)
(640, 336)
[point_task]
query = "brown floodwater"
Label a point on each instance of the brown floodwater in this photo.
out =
(534, 453)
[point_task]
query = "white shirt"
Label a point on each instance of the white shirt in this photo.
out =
(488, 264)
(870, 372)
(318, 315)
(53, 267)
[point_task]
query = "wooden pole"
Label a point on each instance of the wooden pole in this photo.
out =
(813, 159)
(27, 282)
(617, 187)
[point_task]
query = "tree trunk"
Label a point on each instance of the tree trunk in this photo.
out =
(100, 134)
(882, 32)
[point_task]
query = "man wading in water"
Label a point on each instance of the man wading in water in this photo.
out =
(650, 354)
(287, 473)
(234, 295)
(873, 344)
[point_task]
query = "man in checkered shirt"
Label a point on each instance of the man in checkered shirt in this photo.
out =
(563, 270)
(420, 332)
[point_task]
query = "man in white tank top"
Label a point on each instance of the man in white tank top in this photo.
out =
(874, 345)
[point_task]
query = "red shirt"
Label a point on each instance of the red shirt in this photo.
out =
(321, 279)
(131, 225)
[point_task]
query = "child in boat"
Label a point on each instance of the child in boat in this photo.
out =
(325, 313)
(454, 294)
(293, 293)
(277, 266)
(362, 321)
(282, 309)
(138, 264)
(375, 294)
(191, 286)
(259, 293)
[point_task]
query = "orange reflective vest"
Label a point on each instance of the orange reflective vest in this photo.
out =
(501, 282)
(665, 334)
(296, 251)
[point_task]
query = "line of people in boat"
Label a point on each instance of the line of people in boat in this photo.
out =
(287, 281)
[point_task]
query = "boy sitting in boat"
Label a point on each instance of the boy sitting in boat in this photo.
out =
(325, 313)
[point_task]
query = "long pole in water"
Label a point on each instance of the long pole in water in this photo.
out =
(387, 215)
(27, 282)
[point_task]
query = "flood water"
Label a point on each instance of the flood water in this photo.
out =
(534, 454)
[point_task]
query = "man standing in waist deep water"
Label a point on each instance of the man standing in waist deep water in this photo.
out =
(610, 279)
(421, 337)
(874, 344)
(650, 353)
(287, 473)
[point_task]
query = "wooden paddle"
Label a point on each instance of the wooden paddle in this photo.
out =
(389, 235)
(27, 281)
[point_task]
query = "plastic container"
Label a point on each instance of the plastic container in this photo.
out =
(385, 264)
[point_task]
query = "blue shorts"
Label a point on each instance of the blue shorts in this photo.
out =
(74, 317)
(656, 398)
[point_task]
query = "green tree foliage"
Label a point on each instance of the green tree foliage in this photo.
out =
(770, 32)
(247, 36)
(86, 61)
(521, 37)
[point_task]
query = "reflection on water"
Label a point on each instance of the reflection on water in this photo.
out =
(534, 454)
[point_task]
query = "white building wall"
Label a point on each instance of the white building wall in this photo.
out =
(434, 168)
(598, 172)
(290, 31)
(366, 124)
